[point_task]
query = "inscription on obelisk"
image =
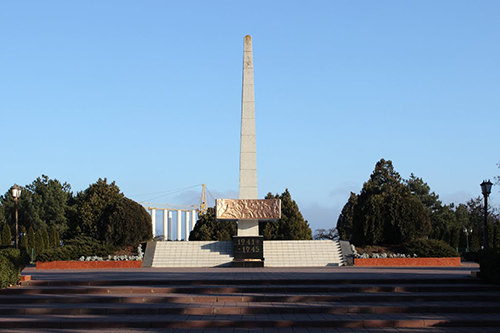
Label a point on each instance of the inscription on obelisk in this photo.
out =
(248, 149)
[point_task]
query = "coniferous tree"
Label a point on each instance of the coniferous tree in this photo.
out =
(6, 235)
(46, 240)
(291, 226)
(89, 206)
(124, 223)
(388, 210)
(207, 228)
(345, 223)
(39, 245)
(31, 242)
(43, 203)
(24, 238)
(54, 238)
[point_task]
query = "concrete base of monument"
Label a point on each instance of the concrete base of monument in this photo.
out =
(248, 263)
(282, 253)
(248, 251)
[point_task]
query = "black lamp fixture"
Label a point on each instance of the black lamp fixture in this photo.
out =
(486, 189)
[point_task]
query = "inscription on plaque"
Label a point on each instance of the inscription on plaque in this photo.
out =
(245, 248)
(248, 209)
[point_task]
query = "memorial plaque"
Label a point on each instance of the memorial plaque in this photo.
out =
(248, 247)
(248, 209)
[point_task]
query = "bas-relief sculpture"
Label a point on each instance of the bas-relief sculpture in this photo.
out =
(248, 209)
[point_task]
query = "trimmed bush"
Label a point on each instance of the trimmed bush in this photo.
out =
(75, 248)
(11, 264)
(430, 248)
(125, 223)
(489, 262)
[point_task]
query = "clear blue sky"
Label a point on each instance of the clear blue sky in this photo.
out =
(148, 93)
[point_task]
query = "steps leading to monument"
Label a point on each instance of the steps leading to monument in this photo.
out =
(300, 253)
(256, 303)
(287, 253)
(193, 254)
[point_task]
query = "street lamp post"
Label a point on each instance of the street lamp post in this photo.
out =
(486, 189)
(467, 232)
(16, 192)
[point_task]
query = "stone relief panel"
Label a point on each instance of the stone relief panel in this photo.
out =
(248, 209)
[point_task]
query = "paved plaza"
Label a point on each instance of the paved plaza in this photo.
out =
(246, 275)
(319, 273)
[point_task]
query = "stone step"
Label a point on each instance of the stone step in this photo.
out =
(260, 303)
(253, 281)
(215, 298)
(220, 289)
(288, 253)
(250, 321)
(249, 308)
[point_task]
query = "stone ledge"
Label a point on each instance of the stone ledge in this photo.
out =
(407, 262)
(88, 264)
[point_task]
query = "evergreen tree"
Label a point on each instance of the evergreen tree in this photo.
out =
(388, 210)
(496, 242)
(24, 238)
(39, 245)
(207, 228)
(345, 223)
(54, 238)
(46, 240)
(124, 223)
(2, 214)
(31, 242)
(88, 207)
(6, 235)
(43, 203)
(291, 226)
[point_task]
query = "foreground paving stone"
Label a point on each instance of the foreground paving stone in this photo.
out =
(252, 301)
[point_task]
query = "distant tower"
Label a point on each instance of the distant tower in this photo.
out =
(248, 148)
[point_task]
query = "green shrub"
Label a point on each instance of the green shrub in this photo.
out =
(74, 248)
(12, 262)
(489, 262)
(8, 274)
(430, 248)
(125, 223)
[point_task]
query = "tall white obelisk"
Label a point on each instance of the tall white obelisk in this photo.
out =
(248, 149)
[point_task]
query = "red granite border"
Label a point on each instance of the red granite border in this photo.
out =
(88, 264)
(407, 262)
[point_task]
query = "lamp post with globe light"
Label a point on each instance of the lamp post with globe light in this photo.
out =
(16, 192)
(486, 189)
(467, 232)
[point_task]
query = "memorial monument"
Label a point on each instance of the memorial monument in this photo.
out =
(248, 210)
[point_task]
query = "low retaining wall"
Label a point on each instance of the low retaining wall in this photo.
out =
(88, 264)
(407, 262)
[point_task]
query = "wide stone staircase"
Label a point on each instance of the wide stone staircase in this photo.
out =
(192, 254)
(257, 303)
(287, 253)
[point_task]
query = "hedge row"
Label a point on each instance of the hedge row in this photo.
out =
(430, 248)
(75, 248)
